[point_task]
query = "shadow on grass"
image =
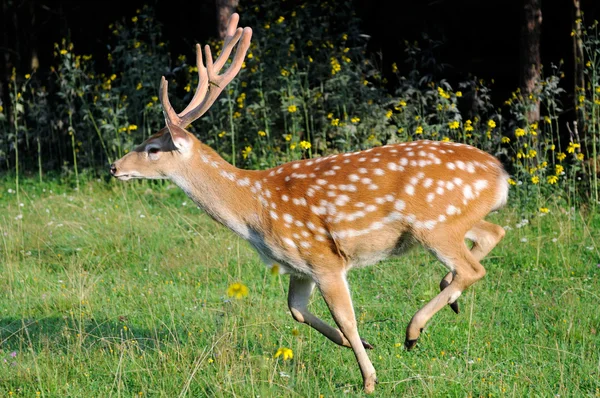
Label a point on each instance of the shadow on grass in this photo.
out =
(63, 333)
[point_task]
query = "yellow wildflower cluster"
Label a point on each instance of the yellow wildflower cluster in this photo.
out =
(240, 100)
(305, 145)
(443, 93)
(355, 120)
(468, 124)
(335, 66)
(455, 124)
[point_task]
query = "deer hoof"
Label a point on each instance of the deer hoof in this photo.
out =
(410, 344)
(454, 307)
(366, 345)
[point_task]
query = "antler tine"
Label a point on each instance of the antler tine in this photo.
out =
(232, 37)
(218, 82)
(171, 116)
(202, 88)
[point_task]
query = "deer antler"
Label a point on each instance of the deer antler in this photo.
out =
(209, 81)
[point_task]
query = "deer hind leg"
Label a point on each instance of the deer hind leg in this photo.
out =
(298, 297)
(485, 236)
(334, 289)
(466, 270)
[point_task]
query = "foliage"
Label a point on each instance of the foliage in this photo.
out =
(308, 88)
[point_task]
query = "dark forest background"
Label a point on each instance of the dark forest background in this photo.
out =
(480, 37)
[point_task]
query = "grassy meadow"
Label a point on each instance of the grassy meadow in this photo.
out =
(121, 289)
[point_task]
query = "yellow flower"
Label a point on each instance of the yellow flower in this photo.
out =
(237, 290)
(535, 179)
(267, 26)
(344, 36)
(511, 181)
(310, 59)
(561, 156)
(288, 137)
(446, 139)
(442, 93)
(246, 152)
(544, 210)
(284, 72)
(132, 127)
(280, 20)
(454, 124)
(459, 94)
(394, 67)
(292, 108)
(335, 122)
(419, 130)
(505, 140)
(355, 120)
(580, 156)
(547, 120)
(305, 145)
(139, 86)
(402, 103)
(1, 108)
(309, 43)
(134, 19)
(63, 52)
(262, 133)
(552, 179)
(572, 146)
(292, 146)
(284, 352)
(389, 113)
(275, 269)
(491, 124)
(532, 153)
(559, 169)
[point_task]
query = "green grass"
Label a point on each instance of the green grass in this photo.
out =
(119, 289)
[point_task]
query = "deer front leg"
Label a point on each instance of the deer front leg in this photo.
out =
(334, 289)
(298, 296)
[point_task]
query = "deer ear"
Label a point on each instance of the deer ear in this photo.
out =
(181, 138)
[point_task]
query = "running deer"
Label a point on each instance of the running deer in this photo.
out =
(319, 218)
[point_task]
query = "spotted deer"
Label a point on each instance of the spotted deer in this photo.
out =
(319, 218)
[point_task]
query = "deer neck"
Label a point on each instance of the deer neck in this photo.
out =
(220, 189)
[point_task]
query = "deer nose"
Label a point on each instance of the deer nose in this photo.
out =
(113, 169)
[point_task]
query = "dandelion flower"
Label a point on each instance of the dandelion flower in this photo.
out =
(284, 352)
(237, 290)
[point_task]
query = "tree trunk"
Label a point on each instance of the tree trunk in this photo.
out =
(224, 10)
(530, 54)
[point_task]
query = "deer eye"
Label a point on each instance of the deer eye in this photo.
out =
(153, 150)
